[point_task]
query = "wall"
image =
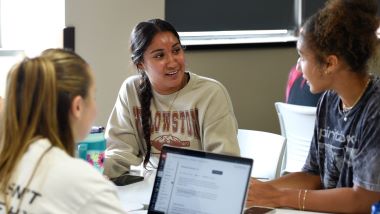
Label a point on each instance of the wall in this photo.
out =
(102, 31)
(255, 77)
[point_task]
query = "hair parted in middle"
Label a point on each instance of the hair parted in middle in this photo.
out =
(141, 37)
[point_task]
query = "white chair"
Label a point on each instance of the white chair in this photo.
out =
(266, 149)
(297, 126)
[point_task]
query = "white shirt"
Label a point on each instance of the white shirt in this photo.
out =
(61, 184)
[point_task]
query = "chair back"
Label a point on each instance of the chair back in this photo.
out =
(297, 126)
(266, 149)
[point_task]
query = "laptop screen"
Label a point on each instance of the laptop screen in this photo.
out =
(190, 181)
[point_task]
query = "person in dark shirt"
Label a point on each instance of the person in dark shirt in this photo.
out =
(341, 173)
(298, 91)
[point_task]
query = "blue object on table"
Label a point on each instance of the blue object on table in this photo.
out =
(92, 148)
(376, 208)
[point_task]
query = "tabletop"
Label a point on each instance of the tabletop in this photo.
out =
(135, 197)
(278, 211)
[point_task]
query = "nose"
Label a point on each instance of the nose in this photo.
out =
(171, 59)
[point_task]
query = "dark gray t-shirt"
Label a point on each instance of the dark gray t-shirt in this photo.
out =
(342, 152)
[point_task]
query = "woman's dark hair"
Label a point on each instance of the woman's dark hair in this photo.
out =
(346, 28)
(141, 37)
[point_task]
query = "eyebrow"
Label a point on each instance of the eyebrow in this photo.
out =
(158, 50)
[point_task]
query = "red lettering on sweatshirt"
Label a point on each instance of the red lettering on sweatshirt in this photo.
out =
(184, 122)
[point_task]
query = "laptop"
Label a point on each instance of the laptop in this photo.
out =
(192, 181)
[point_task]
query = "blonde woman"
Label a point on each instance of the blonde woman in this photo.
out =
(50, 106)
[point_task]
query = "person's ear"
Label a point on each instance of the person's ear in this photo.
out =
(140, 66)
(77, 107)
(331, 64)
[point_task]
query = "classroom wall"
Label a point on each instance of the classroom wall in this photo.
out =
(255, 76)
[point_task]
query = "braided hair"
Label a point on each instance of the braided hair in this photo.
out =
(141, 37)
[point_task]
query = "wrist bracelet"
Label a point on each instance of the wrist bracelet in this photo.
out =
(299, 199)
(304, 199)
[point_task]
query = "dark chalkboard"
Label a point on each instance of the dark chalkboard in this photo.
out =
(309, 7)
(230, 15)
(222, 15)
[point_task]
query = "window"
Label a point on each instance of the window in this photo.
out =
(31, 25)
(7, 59)
(26, 28)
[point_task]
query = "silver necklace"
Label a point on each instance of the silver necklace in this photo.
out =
(175, 97)
(346, 109)
(184, 82)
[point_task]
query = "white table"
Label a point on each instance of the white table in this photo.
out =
(277, 211)
(135, 197)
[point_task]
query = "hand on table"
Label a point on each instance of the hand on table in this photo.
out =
(262, 194)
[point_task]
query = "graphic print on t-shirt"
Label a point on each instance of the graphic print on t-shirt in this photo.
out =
(175, 128)
(16, 192)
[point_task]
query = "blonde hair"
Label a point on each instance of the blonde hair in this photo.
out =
(39, 94)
